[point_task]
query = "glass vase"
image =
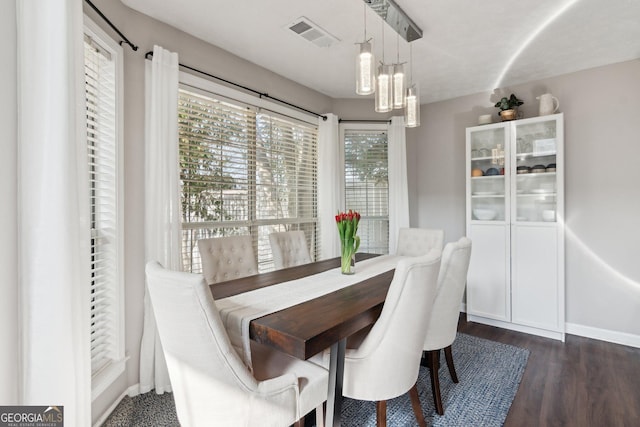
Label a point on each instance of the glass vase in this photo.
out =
(348, 261)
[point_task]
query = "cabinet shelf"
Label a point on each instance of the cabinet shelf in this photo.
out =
(487, 177)
(475, 159)
(534, 174)
(536, 194)
(523, 156)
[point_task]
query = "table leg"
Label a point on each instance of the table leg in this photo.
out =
(336, 376)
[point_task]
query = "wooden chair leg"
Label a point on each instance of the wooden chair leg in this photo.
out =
(299, 423)
(417, 408)
(424, 360)
(435, 381)
(381, 413)
(452, 368)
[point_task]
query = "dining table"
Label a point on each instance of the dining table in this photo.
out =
(325, 321)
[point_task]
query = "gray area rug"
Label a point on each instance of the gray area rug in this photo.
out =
(489, 374)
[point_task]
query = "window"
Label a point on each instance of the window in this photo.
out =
(244, 171)
(102, 87)
(366, 189)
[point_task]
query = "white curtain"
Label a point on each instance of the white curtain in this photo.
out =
(330, 184)
(53, 206)
(162, 200)
(398, 189)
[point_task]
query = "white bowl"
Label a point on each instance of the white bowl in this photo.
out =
(549, 215)
(484, 214)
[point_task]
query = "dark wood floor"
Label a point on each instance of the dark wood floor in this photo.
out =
(580, 382)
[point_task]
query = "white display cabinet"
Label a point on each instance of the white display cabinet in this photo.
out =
(515, 211)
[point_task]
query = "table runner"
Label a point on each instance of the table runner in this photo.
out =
(238, 311)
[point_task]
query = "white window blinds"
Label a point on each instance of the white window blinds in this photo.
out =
(367, 186)
(244, 171)
(100, 87)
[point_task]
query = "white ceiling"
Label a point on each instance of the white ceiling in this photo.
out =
(468, 46)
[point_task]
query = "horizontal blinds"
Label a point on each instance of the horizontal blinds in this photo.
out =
(367, 186)
(101, 148)
(286, 175)
(243, 172)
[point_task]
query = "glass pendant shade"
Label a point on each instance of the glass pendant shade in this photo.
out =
(384, 89)
(365, 70)
(412, 109)
(399, 86)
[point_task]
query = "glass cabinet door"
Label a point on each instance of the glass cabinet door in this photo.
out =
(487, 169)
(534, 170)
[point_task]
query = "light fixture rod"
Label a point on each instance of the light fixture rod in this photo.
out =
(365, 24)
(393, 15)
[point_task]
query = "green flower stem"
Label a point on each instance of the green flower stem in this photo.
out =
(349, 241)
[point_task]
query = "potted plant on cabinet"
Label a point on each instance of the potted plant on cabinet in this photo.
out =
(508, 107)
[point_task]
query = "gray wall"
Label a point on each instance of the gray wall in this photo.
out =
(8, 211)
(360, 109)
(602, 192)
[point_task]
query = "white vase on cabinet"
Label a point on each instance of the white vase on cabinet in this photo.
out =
(515, 212)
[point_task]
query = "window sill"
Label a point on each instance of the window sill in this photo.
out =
(106, 376)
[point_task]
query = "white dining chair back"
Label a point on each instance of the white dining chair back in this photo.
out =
(387, 362)
(419, 241)
(211, 385)
(289, 248)
(442, 327)
(227, 258)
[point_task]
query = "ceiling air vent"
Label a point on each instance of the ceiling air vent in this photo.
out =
(311, 32)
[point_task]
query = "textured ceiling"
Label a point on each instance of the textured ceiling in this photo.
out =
(468, 46)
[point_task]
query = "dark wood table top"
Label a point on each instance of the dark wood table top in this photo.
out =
(305, 329)
(257, 281)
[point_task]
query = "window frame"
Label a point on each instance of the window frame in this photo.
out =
(365, 127)
(208, 88)
(106, 375)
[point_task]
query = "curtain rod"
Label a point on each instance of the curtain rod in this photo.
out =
(260, 94)
(124, 39)
(363, 121)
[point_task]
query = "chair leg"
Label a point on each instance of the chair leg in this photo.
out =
(381, 413)
(320, 416)
(417, 408)
(424, 360)
(434, 357)
(452, 368)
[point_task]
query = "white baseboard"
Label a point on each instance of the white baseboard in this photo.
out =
(556, 335)
(603, 334)
(607, 335)
(134, 390)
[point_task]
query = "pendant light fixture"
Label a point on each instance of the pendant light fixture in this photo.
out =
(384, 86)
(393, 88)
(399, 80)
(412, 110)
(365, 64)
(412, 107)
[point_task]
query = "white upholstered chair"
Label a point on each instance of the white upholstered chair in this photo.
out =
(227, 258)
(419, 241)
(441, 331)
(387, 361)
(211, 385)
(289, 249)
